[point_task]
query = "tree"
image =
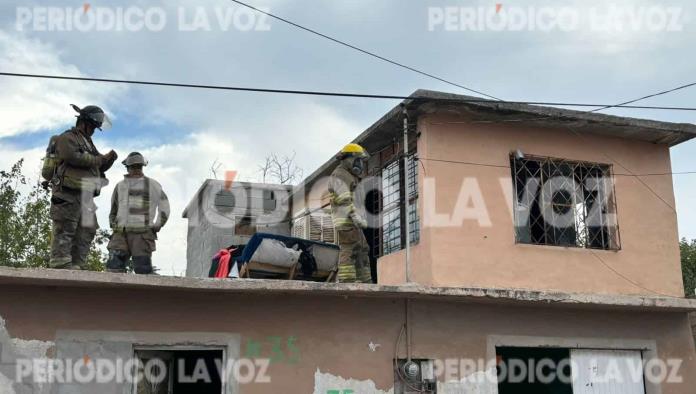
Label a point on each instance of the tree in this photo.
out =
(280, 170)
(25, 224)
(688, 261)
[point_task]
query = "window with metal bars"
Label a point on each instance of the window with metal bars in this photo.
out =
(393, 206)
(564, 203)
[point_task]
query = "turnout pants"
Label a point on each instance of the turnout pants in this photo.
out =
(125, 245)
(74, 228)
(354, 259)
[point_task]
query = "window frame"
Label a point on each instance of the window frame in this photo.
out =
(550, 167)
(397, 207)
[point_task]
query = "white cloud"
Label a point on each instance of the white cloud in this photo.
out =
(28, 105)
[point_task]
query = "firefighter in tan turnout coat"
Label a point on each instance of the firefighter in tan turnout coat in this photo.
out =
(354, 262)
(139, 210)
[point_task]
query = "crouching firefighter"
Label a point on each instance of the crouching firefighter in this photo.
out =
(139, 210)
(74, 170)
(354, 261)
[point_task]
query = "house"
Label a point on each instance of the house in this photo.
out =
(516, 249)
(464, 153)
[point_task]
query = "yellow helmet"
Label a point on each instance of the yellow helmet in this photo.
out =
(354, 150)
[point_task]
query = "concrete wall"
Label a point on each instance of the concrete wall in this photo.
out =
(477, 254)
(339, 342)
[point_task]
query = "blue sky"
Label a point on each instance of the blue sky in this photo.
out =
(183, 131)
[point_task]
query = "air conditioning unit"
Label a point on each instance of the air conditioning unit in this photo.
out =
(315, 226)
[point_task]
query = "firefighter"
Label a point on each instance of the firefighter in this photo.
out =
(139, 210)
(76, 175)
(354, 261)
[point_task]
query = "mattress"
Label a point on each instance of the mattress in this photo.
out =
(268, 247)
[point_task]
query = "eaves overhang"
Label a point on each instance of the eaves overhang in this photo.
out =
(482, 111)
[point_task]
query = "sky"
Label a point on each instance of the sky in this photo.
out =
(611, 55)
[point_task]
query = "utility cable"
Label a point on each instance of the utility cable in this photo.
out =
(620, 105)
(627, 279)
(688, 85)
(582, 137)
(471, 163)
(289, 22)
(324, 93)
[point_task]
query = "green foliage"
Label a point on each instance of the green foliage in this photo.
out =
(688, 261)
(25, 224)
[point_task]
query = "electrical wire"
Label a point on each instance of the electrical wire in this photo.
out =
(688, 85)
(620, 105)
(324, 93)
(431, 75)
(582, 137)
(403, 378)
(382, 58)
(626, 278)
(507, 167)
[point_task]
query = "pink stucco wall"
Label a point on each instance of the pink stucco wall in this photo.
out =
(474, 255)
(332, 333)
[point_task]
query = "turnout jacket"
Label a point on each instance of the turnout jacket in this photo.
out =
(342, 185)
(81, 167)
(138, 205)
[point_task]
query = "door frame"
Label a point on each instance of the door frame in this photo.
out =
(648, 348)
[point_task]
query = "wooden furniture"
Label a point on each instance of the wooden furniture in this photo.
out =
(291, 273)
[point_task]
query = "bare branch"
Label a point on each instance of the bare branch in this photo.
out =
(281, 170)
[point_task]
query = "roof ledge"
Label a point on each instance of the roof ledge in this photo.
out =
(99, 280)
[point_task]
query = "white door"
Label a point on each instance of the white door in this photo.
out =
(607, 371)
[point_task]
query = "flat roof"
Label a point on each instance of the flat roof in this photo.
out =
(261, 287)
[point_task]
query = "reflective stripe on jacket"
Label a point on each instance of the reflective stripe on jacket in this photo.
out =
(342, 186)
(135, 204)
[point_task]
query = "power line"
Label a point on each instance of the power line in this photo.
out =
(673, 209)
(620, 105)
(627, 170)
(321, 93)
(626, 278)
(688, 85)
(471, 163)
(289, 22)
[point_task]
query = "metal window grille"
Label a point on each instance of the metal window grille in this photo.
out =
(394, 175)
(391, 208)
(414, 222)
(564, 203)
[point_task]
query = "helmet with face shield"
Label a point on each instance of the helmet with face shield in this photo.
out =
(93, 115)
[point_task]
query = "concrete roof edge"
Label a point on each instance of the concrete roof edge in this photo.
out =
(683, 131)
(687, 128)
(99, 280)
